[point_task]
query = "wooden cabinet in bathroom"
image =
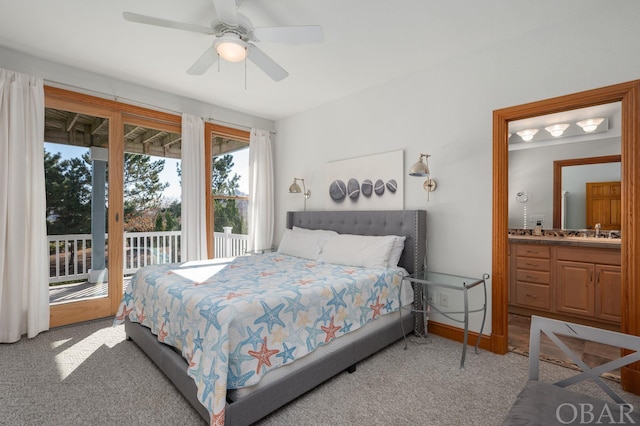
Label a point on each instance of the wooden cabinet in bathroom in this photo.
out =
(588, 283)
(566, 281)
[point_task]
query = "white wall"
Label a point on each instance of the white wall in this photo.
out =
(446, 111)
(58, 75)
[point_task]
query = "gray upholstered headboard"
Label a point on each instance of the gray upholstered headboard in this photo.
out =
(410, 223)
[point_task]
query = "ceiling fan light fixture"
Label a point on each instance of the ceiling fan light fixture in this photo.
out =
(557, 130)
(231, 48)
(590, 125)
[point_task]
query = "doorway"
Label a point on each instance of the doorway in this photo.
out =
(628, 94)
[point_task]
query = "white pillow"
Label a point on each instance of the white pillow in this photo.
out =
(322, 234)
(358, 250)
(396, 251)
(300, 244)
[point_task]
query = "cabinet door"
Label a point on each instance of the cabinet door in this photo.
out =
(608, 295)
(575, 288)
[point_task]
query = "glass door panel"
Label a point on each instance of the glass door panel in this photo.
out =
(75, 175)
(152, 193)
(76, 167)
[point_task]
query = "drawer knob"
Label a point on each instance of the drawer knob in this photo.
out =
(533, 296)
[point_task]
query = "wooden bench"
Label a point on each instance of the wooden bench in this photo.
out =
(543, 403)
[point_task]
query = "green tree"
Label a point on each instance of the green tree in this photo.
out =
(226, 212)
(171, 222)
(68, 192)
(159, 226)
(142, 190)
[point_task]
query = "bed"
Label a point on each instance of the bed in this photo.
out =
(323, 358)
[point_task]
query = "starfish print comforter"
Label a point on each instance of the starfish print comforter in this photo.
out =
(236, 319)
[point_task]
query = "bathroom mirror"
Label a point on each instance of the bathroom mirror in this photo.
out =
(532, 170)
(570, 178)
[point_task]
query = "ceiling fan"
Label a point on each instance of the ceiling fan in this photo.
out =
(234, 36)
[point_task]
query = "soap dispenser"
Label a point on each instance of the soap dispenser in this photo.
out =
(538, 229)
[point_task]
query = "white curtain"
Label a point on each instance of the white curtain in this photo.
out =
(260, 191)
(194, 235)
(24, 258)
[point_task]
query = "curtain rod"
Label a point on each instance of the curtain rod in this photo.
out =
(139, 103)
(234, 125)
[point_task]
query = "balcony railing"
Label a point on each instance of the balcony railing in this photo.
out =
(70, 255)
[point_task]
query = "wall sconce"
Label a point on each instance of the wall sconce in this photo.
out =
(527, 134)
(421, 169)
(590, 125)
(557, 129)
(295, 189)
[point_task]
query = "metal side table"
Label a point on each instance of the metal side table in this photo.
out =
(423, 279)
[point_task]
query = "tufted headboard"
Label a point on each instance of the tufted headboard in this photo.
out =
(410, 223)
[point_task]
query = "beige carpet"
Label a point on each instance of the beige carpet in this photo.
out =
(90, 375)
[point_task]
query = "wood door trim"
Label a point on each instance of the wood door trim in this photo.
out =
(629, 95)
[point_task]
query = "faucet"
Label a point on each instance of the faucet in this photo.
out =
(598, 226)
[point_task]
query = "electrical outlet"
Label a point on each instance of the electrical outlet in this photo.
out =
(444, 299)
(431, 297)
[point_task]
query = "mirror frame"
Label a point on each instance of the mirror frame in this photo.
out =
(629, 95)
(557, 179)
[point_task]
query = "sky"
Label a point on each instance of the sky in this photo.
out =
(169, 173)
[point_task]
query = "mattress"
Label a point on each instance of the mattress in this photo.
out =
(235, 321)
(323, 351)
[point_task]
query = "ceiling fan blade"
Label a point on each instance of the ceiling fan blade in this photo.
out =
(159, 22)
(293, 34)
(209, 58)
(265, 63)
(227, 11)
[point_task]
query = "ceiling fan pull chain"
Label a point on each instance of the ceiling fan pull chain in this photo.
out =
(245, 72)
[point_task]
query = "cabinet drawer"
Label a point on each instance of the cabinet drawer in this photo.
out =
(538, 277)
(532, 250)
(532, 263)
(532, 295)
(591, 255)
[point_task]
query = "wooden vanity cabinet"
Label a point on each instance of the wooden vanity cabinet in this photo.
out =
(531, 276)
(570, 281)
(588, 282)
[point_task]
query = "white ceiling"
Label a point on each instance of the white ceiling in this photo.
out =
(366, 43)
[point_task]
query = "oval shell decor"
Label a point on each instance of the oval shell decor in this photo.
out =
(370, 182)
(338, 190)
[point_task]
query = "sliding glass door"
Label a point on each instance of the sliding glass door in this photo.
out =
(113, 199)
(82, 280)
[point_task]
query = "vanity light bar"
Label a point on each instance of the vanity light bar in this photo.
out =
(590, 125)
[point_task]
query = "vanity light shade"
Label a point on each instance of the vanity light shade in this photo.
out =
(420, 168)
(590, 124)
(527, 134)
(557, 129)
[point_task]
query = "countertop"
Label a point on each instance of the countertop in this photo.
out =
(608, 243)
